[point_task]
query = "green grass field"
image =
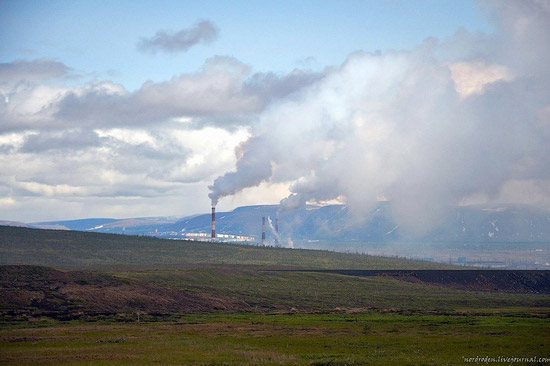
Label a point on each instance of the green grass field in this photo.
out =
(291, 339)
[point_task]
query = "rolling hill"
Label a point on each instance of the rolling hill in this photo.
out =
(70, 274)
(75, 249)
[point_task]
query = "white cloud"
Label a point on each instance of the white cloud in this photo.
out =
(465, 118)
(7, 201)
(72, 166)
(223, 93)
(471, 78)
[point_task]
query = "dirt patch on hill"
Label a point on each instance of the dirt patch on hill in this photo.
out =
(534, 282)
(34, 290)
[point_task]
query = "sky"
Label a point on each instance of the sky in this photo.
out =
(140, 108)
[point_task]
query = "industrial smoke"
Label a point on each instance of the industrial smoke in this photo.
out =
(263, 230)
(456, 121)
(274, 229)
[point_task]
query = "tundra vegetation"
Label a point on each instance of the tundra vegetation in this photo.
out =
(77, 298)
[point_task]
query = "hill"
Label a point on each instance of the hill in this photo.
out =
(155, 275)
(508, 236)
(61, 248)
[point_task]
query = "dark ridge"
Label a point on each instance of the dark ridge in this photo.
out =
(513, 281)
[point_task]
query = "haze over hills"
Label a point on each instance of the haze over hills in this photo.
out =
(506, 223)
(504, 236)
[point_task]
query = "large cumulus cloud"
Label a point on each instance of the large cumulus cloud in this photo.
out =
(224, 93)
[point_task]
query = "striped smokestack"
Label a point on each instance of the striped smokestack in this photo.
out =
(277, 230)
(213, 223)
(263, 230)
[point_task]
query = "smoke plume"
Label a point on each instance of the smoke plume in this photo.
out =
(253, 167)
(449, 122)
(273, 230)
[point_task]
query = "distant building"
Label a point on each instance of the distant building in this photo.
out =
(219, 237)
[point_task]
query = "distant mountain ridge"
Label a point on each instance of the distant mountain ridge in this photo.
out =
(505, 223)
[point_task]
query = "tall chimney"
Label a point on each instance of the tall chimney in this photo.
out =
(277, 230)
(263, 230)
(213, 223)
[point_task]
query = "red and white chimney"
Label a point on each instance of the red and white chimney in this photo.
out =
(213, 223)
(277, 230)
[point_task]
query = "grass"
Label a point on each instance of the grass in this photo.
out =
(73, 249)
(294, 318)
(268, 290)
(297, 339)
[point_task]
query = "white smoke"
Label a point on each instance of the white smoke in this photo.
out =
(425, 129)
(273, 230)
(253, 167)
(289, 243)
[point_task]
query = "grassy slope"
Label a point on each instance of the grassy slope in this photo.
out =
(271, 290)
(239, 273)
(72, 249)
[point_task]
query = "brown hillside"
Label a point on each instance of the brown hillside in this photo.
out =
(35, 290)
